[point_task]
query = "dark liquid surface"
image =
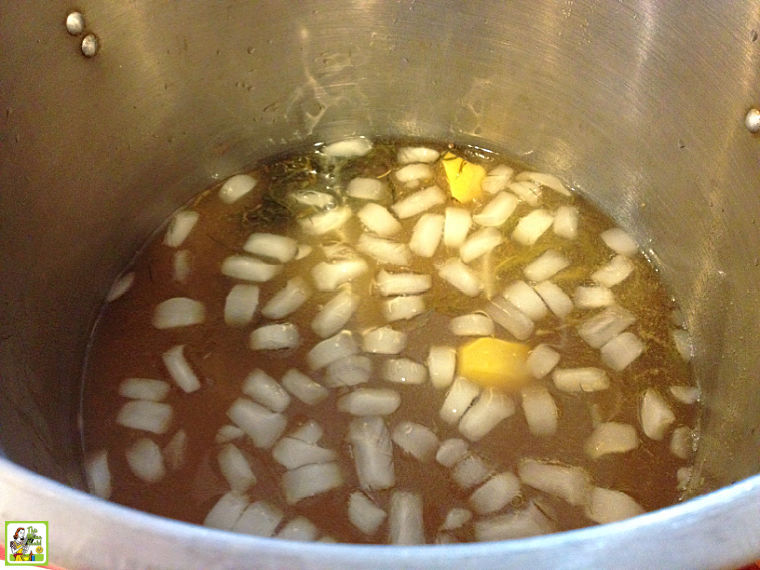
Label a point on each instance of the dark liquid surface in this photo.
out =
(125, 344)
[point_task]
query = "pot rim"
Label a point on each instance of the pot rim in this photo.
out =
(727, 522)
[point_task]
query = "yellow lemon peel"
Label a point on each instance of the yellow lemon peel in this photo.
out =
(494, 363)
(464, 177)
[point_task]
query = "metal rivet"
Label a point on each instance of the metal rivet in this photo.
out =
(75, 23)
(90, 45)
(752, 120)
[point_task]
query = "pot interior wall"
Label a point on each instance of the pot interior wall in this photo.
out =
(639, 105)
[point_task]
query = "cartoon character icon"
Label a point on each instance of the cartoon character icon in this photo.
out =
(20, 549)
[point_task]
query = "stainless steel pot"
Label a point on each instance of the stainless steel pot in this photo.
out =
(638, 104)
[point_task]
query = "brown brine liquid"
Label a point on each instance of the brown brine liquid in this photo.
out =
(294, 188)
